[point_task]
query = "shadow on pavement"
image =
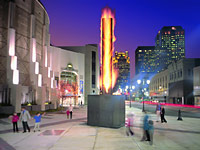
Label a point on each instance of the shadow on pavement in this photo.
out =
(5, 146)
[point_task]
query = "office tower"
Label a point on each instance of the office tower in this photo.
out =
(121, 62)
(145, 60)
(172, 40)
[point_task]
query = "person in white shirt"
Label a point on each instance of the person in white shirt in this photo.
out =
(70, 110)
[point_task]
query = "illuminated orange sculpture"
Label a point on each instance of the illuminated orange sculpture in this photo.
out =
(108, 74)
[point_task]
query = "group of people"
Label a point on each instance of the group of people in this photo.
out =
(160, 112)
(148, 128)
(24, 117)
(70, 111)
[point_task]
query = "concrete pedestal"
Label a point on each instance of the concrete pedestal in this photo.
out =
(106, 110)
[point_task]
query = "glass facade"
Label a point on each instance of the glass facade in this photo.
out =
(69, 86)
(172, 40)
(146, 59)
(121, 62)
(169, 47)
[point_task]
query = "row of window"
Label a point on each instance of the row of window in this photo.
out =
(175, 75)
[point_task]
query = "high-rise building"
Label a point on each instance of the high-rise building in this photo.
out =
(169, 47)
(145, 59)
(122, 63)
(172, 40)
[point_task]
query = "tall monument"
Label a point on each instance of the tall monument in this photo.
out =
(107, 110)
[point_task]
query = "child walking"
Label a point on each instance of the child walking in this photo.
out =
(129, 125)
(15, 119)
(37, 118)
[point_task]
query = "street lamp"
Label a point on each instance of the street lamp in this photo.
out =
(139, 82)
(148, 81)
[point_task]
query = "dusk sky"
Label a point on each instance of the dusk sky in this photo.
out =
(77, 22)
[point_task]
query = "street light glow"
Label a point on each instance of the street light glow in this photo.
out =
(148, 81)
(138, 81)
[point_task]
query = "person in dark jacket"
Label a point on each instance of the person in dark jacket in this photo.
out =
(162, 115)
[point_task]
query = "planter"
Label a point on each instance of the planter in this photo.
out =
(47, 107)
(51, 106)
(8, 110)
(36, 107)
(28, 107)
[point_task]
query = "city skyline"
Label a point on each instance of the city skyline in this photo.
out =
(137, 23)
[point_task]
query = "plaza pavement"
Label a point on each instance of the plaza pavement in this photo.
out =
(58, 133)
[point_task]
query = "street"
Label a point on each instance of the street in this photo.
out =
(169, 110)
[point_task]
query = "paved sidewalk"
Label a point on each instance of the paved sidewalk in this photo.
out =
(58, 133)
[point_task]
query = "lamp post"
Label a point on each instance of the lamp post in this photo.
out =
(139, 82)
(132, 88)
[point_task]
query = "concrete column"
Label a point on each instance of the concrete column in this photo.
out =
(16, 96)
(41, 97)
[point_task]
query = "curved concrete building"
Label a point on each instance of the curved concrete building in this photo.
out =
(24, 37)
(31, 69)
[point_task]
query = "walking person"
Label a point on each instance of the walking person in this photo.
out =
(146, 136)
(129, 125)
(37, 118)
(67, 112)
(151, 131)
(15, 119)
(24, 117)
(81, 103)
(158, 108)
(162, 114)
(70, 110)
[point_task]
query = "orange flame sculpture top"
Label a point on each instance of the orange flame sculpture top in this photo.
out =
(108, 74)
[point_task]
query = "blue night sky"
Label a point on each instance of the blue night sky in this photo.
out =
(77, 22)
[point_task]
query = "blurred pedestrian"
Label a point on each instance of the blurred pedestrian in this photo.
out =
(129, 125)
(67, 112)
(151, 131)
(146, 136)
(70, 110)
(15, 119)
(37, 118)
(158, 108)
(162, 114)
(24, 117)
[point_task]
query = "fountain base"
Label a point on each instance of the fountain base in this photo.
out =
(106, 110)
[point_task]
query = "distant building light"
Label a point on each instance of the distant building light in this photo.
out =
(15, 76)
(69, 66)
(148, 81)
(173, 28)
(138, 81)
(36, 67)
(39, 80)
